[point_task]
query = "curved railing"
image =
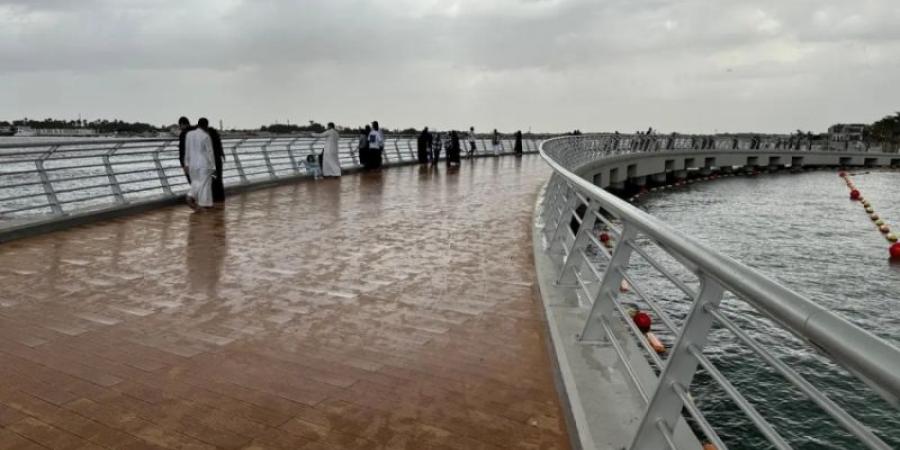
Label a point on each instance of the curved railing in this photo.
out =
(52, 179)
(597, 273)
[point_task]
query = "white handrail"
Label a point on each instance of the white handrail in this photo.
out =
(868, 357)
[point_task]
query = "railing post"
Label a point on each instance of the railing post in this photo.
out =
(397, 150)
(412, 154)
(291, 155)
(163, 178)
(550, 197)
(47, 184)
(113, 181)
(573, 258)
(265, 152)
(570, 200)
(237, 161)
(603, 306)
(554, 211)
(353, 154)
(665, 406)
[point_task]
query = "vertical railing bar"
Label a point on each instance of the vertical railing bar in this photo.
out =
(290, 151)
(566, 215)
(113, 180)
(352, 147)
(585, 229)
(237, 160)
(680, 367)
(52, 200)
(265, 152)
(163, 178)
(605, 302)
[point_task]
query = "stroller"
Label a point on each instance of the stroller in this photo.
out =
(314, 166)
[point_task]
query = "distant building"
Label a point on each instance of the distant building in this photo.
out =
(846, 132)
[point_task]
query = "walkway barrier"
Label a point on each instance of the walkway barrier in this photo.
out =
(53, 179)
(598, 274)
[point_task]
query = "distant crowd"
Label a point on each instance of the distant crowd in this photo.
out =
(202, 156)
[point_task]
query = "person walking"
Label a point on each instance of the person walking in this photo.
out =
(436, 147)
(376, 145)
(495, 142)
(423, 144)
(218, 182)
(199, 161)
(454, 149)
(517, 148)
(470, 152)
(331, 164)
(185, 125)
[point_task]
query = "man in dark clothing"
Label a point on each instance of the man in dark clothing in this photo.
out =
(363, 146)
(424, 145)
(185, 126)
(518, 145)
(218, 184)
(454, 150)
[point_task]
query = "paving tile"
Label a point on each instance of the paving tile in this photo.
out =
(390, 310)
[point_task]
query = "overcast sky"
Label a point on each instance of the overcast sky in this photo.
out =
(678, 65)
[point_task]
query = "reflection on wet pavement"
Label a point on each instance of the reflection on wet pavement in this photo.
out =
(381, 310)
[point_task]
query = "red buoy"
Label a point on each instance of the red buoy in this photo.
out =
(604, 237)
(895, 252)
(643, 321)
(854, 195)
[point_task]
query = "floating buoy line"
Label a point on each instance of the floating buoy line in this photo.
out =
(880, 224)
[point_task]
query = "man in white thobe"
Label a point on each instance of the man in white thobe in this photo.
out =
(331, 165)
(200, 164)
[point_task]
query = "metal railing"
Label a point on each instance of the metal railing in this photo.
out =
(572, 213)
(48, 179)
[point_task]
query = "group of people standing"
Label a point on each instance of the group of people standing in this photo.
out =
(202, 156)
(371, 146)
(429, 146)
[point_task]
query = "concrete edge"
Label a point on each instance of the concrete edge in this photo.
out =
(566, 388)
(88, 216)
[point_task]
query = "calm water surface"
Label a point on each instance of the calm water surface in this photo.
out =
(803, 231)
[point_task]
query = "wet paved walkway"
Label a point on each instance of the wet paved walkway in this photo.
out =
(391, 310)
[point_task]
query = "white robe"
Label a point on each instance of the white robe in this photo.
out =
(199, 159)
(331, 165)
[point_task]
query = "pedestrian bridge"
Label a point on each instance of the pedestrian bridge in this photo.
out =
(392, 309)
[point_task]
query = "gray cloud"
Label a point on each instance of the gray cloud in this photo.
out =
(551, 64)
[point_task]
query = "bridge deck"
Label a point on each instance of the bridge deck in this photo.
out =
(391, 310)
